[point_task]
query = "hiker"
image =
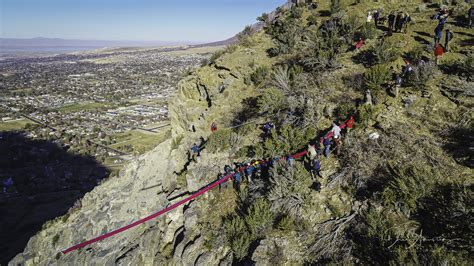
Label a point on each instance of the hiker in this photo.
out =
(350, 124)
(368, 97)
(406, 21)
(438, 33)
(222, 185)
(213, 127)
(336, 130)
(338, 142)
(359, 44)
(438, 52)
(408, 68)
(227, 169)
(447, 38)
(268, 127)
(391, 21)
(327, 146)
(316, 168)
(290, 160)
(237, 180)
(470, 16)
(311, 152)
(369, 18)
(398, 84)
(377, 15)
(398, 22)
(194, 152)
(7, 184)
(249, 169)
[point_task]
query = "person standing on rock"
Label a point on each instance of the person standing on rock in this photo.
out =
(447, 38)
(195, 152)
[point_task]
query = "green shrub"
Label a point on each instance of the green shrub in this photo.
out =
(55, 239)
(259, 75)
(297, 12)
(245, 37)
(289, 189)
(365, 113)
(263, 17)
(376, 76)
(272, 101)
(216, 55)
(385, 51)
(240, 245)
(219, 141)
(415, 54)
(312, 19)
(368, 31)
(238, 236)
(421, 74)
(336, 6)
(259, 218)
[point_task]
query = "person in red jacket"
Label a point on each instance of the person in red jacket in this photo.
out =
(359, 44)
(350, 123)
(213, 127)
(438, 52)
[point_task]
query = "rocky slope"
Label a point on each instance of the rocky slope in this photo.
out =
(373, 200)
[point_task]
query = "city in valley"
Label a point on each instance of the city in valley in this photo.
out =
(110, 104)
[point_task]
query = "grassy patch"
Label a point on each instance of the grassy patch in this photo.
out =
(89, 106)
(14, 125)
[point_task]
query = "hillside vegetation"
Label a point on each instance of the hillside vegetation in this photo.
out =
(403, 198)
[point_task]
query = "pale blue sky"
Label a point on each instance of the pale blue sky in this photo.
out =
(163, 20)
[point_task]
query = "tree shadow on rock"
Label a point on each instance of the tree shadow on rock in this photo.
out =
(47, 182)
(248, 112)
(445, 216)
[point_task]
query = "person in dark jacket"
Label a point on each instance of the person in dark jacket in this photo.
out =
(391, 21)
(447, 38)
(399, 22)
(327, 146)
(406, 21)
(438, 33)
(377, 15)
(316, 168)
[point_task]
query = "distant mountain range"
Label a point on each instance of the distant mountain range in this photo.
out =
(51, 42)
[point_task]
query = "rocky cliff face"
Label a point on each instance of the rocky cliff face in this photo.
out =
(152, 182)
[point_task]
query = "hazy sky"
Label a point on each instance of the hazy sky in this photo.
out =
(164, 20)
